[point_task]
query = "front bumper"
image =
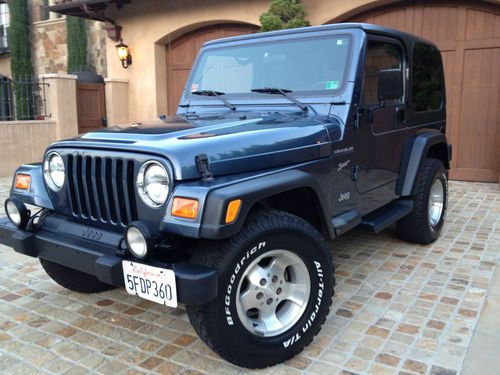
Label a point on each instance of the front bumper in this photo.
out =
(94, 251)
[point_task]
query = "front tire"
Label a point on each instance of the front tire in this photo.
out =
(275, 290)
(74, 280)
(424, 224)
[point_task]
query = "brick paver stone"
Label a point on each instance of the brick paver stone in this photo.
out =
(399, 308)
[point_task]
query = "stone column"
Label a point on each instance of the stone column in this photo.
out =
(61, 103)
(117, 106)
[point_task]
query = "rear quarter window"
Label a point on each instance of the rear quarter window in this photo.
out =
(427, 78)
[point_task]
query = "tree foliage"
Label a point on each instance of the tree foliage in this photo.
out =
(19, 36)
(77, 44)
(19, 39)
(284, 14)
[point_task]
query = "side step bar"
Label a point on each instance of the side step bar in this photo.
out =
(387, 215)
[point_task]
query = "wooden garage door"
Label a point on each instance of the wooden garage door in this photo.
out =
(468, 36)
(182, 52)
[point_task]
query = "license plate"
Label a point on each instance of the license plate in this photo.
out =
(151, 283)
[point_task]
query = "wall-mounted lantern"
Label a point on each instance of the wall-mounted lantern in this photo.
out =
(124, 54)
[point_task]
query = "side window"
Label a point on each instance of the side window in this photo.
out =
(379, 56)
(427, 75)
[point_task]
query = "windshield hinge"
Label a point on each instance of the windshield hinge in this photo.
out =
(203, 166)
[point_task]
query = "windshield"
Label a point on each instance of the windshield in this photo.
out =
(303, 65)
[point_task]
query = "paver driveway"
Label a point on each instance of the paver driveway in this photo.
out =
(399, 308)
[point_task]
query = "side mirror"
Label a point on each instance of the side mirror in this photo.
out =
(390, 84)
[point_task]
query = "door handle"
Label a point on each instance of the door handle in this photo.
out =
(400, 115)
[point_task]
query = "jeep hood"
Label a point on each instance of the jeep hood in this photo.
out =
(233, 144)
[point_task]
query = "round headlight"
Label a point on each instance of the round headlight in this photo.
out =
(153, 184)
(17, 212)
(53, 171)
(136, 242)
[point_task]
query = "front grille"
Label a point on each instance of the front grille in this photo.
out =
(101, 189)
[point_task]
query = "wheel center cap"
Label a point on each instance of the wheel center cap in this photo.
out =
(270, 290)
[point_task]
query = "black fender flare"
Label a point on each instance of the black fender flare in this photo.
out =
(251, 191)
(414, 153)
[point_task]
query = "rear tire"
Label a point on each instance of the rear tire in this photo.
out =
(74, 280)
(282, 264)
(424, 224)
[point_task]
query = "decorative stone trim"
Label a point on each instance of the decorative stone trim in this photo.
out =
(59, 75)
(49, 22)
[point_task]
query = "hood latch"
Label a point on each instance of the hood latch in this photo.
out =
(203, 166)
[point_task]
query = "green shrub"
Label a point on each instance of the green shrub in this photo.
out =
(19, 36)
(284, 14)
(77, 44)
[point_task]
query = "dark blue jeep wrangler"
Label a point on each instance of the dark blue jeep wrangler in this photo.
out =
(282, 140)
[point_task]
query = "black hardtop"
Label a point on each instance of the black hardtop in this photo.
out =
(406, 38)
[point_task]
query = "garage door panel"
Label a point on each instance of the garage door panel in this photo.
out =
(182, 52)
(452, 91)
(481, 25)
(178, 80)
(497, 27)
(454, 139)
(440, 25)
(396, 19)
(493, 114)
(480, 92)
(476, 151)
(236, 32)
(205, 37)
(474, 174)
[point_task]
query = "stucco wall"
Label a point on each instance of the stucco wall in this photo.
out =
(23, 142)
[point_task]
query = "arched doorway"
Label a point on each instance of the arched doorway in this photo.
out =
(468, 35)
(182, 51)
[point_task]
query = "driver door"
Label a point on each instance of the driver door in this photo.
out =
(380, 127)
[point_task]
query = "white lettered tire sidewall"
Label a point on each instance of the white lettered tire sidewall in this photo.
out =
(309, 323)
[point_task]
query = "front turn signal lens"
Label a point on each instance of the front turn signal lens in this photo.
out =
(185, 207)
(23, 181)
(233, 208)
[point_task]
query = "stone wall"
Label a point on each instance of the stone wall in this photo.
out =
(50, 52)
(96, 50)
(49, 46)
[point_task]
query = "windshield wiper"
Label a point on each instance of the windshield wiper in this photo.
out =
(285, 93)
(217, 94)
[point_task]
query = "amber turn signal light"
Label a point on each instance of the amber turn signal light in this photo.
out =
(185, 207)
(233, 208)
(23, 181)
